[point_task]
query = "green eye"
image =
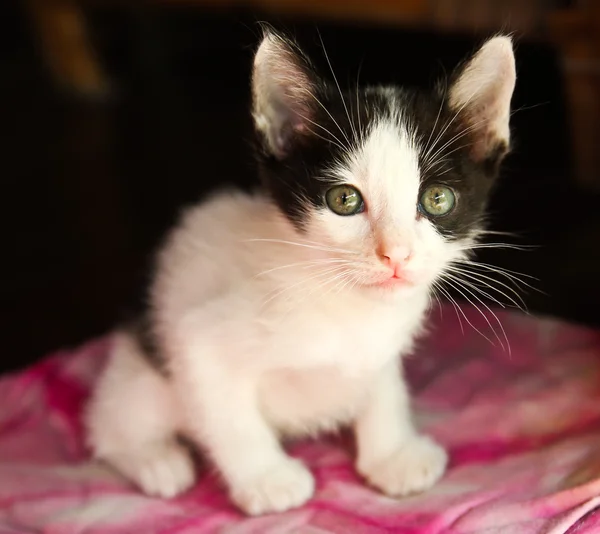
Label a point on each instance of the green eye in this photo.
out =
(437, 200)
(345, 200)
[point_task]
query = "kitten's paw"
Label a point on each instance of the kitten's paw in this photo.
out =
(287, 485)
(160, 470)
(414, 467)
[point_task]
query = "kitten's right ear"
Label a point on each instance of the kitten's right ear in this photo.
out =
(283, 93)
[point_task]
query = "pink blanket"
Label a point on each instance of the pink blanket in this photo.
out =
(523, 431)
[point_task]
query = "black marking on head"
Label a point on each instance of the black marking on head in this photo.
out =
(298, 182)
(296, 179)
(454, 166)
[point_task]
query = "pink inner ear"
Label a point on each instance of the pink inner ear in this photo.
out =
(283, 94)
(484, 91)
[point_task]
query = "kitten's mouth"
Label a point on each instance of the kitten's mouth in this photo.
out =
(395, 282)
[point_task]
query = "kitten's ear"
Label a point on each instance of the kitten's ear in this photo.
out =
(283, 93)
(481, 94)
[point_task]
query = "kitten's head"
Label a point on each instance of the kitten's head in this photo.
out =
(393, 182)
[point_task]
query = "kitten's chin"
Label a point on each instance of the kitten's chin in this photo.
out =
(394, 287)
(394, 284)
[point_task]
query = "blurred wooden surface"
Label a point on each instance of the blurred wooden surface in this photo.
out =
(576, 33)
(63, 39)
(61, 30)
(61, 26)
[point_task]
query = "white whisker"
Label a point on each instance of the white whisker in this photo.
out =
(335, 276)
(342, 282)
(456, 137)
(450, 122)
(306, 245)
(277, 292)
(339, 89)
(500, 246)
(349, 144)
(336, 140)
(435, 295)
(502, 270)
(306, 264)
(497, 232)
(454, 285)
(439, 162)
(437, 118)
(454, 303)
(478, 277)
(457, 285)
(473, 286)
(358, 103)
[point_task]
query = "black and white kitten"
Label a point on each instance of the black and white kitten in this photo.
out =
(284, 312)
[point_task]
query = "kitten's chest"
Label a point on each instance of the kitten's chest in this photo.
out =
(302, 401)
(324, 365)
(349, 336)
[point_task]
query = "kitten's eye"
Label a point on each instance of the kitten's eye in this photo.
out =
(345, 200)
(437, 200)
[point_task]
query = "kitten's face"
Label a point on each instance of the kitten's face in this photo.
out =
(392, 183)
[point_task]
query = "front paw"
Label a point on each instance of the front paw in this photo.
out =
(287, 485)
(414, 467)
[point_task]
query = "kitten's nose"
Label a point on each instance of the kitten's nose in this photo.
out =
(396, 258)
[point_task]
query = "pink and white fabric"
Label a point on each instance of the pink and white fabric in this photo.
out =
(522, 429)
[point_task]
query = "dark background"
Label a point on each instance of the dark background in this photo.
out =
(89, 185)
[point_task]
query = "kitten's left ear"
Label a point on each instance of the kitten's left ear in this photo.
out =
(482, 93)
(283, 94)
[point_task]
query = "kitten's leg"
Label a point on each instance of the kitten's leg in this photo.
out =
(392, 456)
(132, 420)
(228, 424)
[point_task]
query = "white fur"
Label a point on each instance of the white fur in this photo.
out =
(271, 333)
(253, 356)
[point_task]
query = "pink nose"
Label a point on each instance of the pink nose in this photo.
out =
(396, 258)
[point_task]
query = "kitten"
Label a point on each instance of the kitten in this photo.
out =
(284, 312)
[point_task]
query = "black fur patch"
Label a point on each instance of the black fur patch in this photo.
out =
(141, 330)
(294, 181)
